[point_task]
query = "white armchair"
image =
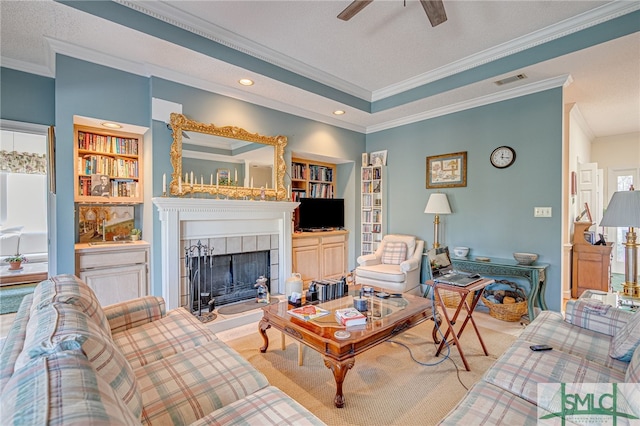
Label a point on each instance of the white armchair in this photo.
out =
(395, 266)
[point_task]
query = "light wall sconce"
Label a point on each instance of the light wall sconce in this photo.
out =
(624, 211)
(438, 204)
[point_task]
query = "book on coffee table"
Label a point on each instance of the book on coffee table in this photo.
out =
(350, 317)
(308, 312)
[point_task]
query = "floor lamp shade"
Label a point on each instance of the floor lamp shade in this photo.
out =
(624, 212)
(438, 204)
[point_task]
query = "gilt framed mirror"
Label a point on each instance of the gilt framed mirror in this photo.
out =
(227, 162)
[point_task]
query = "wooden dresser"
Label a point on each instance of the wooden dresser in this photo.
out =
(591, 263)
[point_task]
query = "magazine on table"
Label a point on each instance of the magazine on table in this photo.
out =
(308, 312)
(350, 317)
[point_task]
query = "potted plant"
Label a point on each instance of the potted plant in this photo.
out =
(15, 261)
(135, 234)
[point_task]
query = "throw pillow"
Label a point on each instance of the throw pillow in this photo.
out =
(394, 253)
(626, 340)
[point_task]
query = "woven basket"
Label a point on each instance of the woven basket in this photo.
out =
(510, 312)
(451, 299)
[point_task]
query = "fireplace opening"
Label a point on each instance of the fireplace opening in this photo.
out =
(216, 280)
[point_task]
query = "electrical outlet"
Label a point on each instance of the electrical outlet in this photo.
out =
(542, 212)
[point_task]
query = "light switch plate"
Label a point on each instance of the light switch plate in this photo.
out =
(542, 212)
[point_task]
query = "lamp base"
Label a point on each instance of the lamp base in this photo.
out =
(631, 290)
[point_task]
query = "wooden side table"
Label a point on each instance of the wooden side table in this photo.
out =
(477, 289)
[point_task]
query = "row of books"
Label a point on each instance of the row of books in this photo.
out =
(321, 190)
(371, 173)
(117, 188)
(321, 173)
(329, 289)
(371, 216)
(102, 165)
(112, 144)
(298, 171)
(371, 187)
(296, 194)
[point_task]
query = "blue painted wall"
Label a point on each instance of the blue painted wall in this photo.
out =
(493, 214)
(26, 97)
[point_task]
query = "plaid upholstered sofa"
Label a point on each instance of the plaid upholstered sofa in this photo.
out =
(66, 360)
(593, 344)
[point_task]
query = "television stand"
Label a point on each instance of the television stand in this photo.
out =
(320, 255)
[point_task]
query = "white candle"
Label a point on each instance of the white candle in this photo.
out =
(211, 179)
(288, 192)
(251, 182)
(266, 185)
(180, 185)
(235, 176)
(164, 183)
(186, 178)
(191, 180)
(217, 179)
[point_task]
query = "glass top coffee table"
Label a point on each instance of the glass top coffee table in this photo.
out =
(387, 317)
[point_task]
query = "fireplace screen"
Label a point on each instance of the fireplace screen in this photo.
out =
(216, 280)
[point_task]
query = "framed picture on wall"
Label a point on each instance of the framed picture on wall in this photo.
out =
(223, 176)
(447, 170)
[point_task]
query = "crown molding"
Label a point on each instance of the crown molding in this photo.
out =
(504, 95)
(585, 20)
(96, 57)
(27, 67)
(576, 115)
(194, 24)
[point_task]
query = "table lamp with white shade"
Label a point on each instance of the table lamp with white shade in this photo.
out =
(624, 211)
(438, 204)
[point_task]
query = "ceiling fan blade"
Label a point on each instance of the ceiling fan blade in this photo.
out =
(435, 11)
(353, 8)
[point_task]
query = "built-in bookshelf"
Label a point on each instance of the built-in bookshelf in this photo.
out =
(312, 179)
(373, 205)
(108, 166)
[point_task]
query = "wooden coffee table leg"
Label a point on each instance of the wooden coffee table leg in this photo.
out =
(339, 372)
(263, 326)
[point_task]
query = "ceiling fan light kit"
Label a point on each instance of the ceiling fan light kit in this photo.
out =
(433, 8)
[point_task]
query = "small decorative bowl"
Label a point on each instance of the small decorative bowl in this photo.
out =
(525, 258)
(461, 251)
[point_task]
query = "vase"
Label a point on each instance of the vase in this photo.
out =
(135, 237)
(15, 265)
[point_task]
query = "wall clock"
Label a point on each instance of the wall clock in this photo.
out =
(502, 157)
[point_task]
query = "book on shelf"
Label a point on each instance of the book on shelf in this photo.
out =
(350, 317)
(308, 312)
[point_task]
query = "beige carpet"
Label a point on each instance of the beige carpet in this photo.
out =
(385, 386)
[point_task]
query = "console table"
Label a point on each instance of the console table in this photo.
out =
(535, 273)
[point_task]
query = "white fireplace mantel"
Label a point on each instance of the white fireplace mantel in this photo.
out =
(183, 218)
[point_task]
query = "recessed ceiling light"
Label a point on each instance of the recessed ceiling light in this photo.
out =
(338, 112)
(245, 82)
(111, 125)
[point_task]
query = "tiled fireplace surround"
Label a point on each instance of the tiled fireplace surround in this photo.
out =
(237, 225)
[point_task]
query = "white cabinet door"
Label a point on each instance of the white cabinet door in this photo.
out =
(114, 285)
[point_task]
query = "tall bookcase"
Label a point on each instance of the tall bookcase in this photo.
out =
(312, 179)
(112, 155)
(373, 207)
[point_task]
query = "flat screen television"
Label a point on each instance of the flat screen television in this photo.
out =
(320, 213)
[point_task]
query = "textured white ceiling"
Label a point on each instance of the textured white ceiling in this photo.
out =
(385, 49)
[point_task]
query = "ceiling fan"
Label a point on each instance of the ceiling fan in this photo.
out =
(433, 8)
